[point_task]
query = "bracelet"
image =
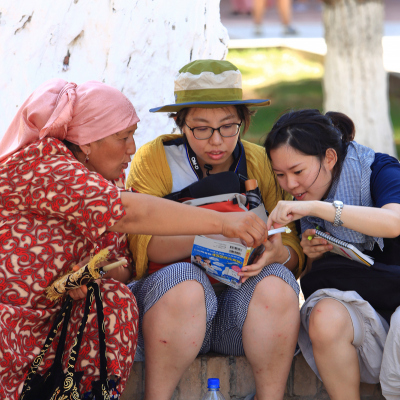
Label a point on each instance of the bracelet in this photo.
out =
(290, 255)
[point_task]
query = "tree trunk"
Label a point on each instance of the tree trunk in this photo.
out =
(136, 46)
(355, 81)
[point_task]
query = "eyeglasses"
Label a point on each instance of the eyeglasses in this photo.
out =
(205, 132)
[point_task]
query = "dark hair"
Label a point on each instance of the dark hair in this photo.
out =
(312, 133)
(244, 113)
(72, 147)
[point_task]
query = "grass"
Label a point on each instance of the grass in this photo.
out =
(290, 80)
(395, 116)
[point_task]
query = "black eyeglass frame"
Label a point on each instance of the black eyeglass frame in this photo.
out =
(215, 129)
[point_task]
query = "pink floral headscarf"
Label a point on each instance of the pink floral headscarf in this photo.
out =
(79, 113)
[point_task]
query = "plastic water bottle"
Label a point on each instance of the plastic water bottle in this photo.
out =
(213, 390)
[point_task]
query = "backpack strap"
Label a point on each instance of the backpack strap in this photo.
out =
(231, 181)
(238, 166)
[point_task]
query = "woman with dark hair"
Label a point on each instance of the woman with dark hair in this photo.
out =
(62, 199)
(181, 314)
(352, 193)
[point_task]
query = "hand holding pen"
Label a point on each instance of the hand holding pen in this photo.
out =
(270, 252)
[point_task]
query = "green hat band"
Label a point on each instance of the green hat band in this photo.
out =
(188, 96)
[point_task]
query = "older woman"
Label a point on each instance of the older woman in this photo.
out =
(61, 168)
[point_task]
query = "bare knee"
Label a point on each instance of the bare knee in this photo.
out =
(273, 293)
(274, 314)
(184, 296)
(330, 323)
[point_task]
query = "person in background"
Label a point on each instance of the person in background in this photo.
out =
(62, 163)
(350, 322)
(285, 14)
(181, 313)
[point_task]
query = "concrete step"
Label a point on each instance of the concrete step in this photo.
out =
(237, 380)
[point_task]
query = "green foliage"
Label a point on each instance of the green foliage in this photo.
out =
(291, 80)
(286, 77)
(304, 93)
(395, 116)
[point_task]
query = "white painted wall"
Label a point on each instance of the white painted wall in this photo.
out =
(136, 46)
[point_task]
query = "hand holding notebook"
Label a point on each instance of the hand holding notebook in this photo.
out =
(345, 249)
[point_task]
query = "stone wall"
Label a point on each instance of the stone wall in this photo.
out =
(236, 379)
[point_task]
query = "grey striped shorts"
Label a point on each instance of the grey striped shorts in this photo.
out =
(226, 312)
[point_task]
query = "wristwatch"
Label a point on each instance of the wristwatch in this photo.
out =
(339, 207)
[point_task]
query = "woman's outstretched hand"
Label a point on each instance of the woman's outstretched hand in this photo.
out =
(289, 211)
(244, 225)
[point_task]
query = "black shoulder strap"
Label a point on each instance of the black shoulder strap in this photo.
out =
(238, 166)
(241, 165)
(231, 181)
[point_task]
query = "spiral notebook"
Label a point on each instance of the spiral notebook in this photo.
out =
(345, 249)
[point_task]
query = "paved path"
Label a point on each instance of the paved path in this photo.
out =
(311, 30)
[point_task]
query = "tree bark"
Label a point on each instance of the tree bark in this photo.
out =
(355, 81)
(136, 46)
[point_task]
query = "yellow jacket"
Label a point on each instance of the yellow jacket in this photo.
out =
(150, 174)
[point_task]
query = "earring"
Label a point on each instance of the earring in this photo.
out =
(87, 158)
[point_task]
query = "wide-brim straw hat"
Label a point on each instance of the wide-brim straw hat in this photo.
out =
(209, 84)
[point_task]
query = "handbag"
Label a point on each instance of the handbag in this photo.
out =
(54, 384)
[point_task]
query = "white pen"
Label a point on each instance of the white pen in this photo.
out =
(279, 230)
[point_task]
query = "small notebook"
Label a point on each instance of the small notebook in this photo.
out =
(345, 249)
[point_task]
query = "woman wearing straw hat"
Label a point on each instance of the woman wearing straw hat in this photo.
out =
(180, 313)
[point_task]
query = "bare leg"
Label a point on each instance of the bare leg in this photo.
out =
(331, 333)
(270, 335)
(173, 331)
(285, 11)
(258, 11)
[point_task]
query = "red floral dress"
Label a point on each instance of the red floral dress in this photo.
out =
(53, 213)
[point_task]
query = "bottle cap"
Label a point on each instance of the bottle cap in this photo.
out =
(250, 184)
(213, 383)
